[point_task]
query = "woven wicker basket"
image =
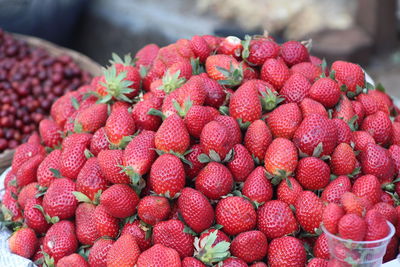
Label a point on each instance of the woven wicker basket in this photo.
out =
(83, 62)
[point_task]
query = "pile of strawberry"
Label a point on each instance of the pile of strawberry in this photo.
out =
(209, 151)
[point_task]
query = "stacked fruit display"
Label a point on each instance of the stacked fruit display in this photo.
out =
(30, 81)
(209, 151)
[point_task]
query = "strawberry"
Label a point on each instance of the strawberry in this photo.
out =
(91, 118)
(368, 186)
(26, 174)
(98, 252)
(395, 133)
(359, 111)
(63, 108)
(232, 128)
(124, 252)
(309, 209)
(314, 130)
(200, 47)
(215, 94)
(275, 72)
(231, 262)
(214, 136)
(106, 224)
(60, 240)
(59, 200)
(284, 120)
(250, 246)
(10, 179)
(224, 69)
(392, 249)
(257, 139)
(326, 91)
(119, 124)
(172, 135)
(394, 151)
(110, 162)
(377, 227)
(23, 242)
(343, 160)
(167, 176)
(344, 133)
(362, 139)
(318, 262)
(245, 105)
(275, 219)
(159, 256)
(353, 204)
(191, 92)
(90, 179)
(24, 152)
(153, 209)
(331, 216)
(308, 70)
(86, 231)
(99, 141)
(193, 170)
(50, 132)
(10, 208)
(335, 189)
(257, 187)
(135, 229)
(212, 246)
(321, 249)
(295, 89)
(315, 60)
(349, 74)
(196, 118)
(236, 215)
(312, 173)
(371, 105)
(214, 181)
(192, 262)
(257, 50)
(294, 52)
(259, 264)
(281, 157)
(376, 160)
(309, 106)
(33, 216)
(146, 55)
(72, 260)
(352, 226)
(379, 126)
(286, 251)
(27, 192)
(171, 234)
(119, 200)
(241, 164)
(288, 191)
(387, 210)
(344, 110)
(34, 139)
(231, 46)
(144, 120)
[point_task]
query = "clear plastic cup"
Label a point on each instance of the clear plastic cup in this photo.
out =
(349, 253)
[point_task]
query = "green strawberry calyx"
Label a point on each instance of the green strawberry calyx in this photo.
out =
(209, 253)
(49, 219)
(171, 82)
(233, 75)
(116, 86)
(270, 99)
(127, 61)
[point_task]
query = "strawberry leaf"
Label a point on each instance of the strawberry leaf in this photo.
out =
(214, 156)
(56, 173)
(75, 103)
(380, 88)
(203, 158)
(81, 197)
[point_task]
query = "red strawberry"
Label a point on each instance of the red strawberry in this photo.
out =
(224, 69)
(321, 249)
(146, 55)
(377, 227)
(196, 118)
(60, 240)
(388, 211)
(376, 160)
(230, 45)
(241, 164)
(335, 189)
(34, 139)
(167, 176)
(318, 262)
(153, 209)
(309, 209)
(192, 262)
(233, 262)
(257, 187)
(348, 74)
(33, 216)
(159, 256)
(250, 246)
(214, 136)
(200, 47)
(144, 120)
(362, 139)
(11, 211)
(90, 179)
(294, 52)
(379, 126)
(281, 157)
(172, 135)
(27, 192)
(257, 50)
(98, 252)
(99, 141)
(326, 91)
(92, 118)
(72, 260)
(289, 190)
(214, 181)
(257, 139)
(124, 252)
(50, 132)
(215, 94)
(368, 186)
(275, 72)
(193, 170)
(259, 264)
(86, 231)
(119, 124)
(286, 251)
(120, 200)
(392, 249)
(275, 219)
(344, 133)
(312, 173)
(284, 120)
(59, 200)
(106, 224)
(171, 234)
(24, 152)
(395, 133)
(110, 162)
(195, 210)
(191, 92)
(309, 106)
(63, 108)
(394, 151)
(343, 160)
(10, 179)
(371, 104)
(23, 242)
(26, 174)
(135, 229)
(232, 128)
(236, 215)
(314, 130)
(344, 110)
(353, 204)
(308, 70)
(331, 216)
(359, 111)
(295, 89)
(352, 226)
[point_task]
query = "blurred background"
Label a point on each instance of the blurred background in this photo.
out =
(361, 31)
